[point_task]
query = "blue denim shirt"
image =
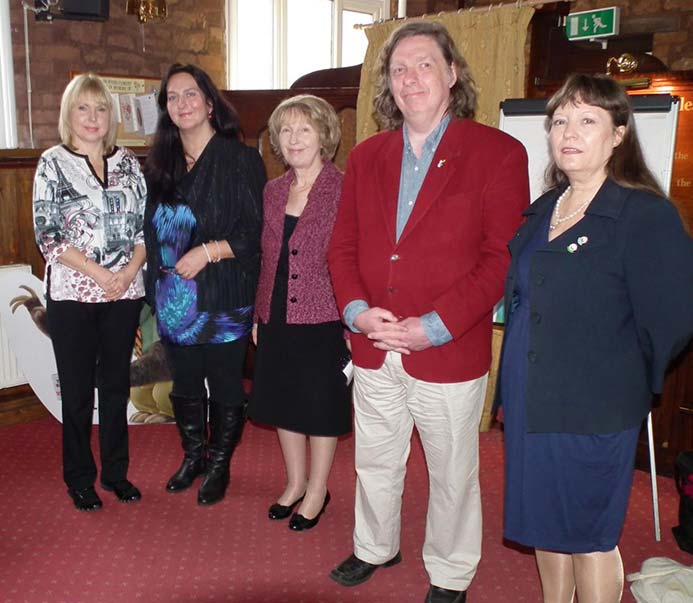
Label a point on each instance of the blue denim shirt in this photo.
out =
(412, 174)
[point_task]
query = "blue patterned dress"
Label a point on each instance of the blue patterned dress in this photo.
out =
(179, 321)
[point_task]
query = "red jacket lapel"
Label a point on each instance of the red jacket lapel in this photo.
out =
(388, 169)
(442, 169)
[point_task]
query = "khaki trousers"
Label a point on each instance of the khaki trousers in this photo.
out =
(388, 403)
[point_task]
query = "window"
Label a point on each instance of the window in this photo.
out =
(274, 42)
(8, 113)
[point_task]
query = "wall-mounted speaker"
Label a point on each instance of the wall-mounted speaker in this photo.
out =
(76, 10)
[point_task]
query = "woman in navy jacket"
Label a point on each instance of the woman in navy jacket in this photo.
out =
(298, 385)
(598, 299)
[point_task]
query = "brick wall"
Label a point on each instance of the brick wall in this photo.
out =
(192, 33)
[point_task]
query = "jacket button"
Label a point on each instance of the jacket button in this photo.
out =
(536, 318)
(394, 257)
(391, 289)
(293, 300)
(294, 276)
(294, 252)
(539, 279)
(532, 356)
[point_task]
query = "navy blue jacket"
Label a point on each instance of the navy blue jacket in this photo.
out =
(611, 304)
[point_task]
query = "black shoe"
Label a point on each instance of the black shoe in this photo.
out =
(277, 511)
(437, 594)
(191, 420)
(225, 429)
(213, 486)
(85, 499)
(186, 474)
(299, 523)
(124, 490)
(353, 571)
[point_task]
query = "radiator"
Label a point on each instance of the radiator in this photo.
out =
(10, 373)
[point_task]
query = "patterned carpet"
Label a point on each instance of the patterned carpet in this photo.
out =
(167, 549)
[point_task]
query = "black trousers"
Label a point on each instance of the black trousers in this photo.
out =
(221, 364)
(93, 347)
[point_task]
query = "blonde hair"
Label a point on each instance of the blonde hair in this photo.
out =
(86, 84)
(319, 112)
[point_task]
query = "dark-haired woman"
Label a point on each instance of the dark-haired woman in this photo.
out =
(599, 299)
(202, 232)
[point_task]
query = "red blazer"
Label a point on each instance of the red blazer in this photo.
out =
(452, 255)
(310, 298)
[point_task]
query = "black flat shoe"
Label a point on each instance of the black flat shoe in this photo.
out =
(437, 594)
(299, 523)
(277, 511)
(85, 499)
(352, 571)
(124, 491)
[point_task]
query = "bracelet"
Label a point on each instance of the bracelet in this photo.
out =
(209, 257)
(216, 243)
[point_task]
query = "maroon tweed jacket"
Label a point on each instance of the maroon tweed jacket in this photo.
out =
(310, 298)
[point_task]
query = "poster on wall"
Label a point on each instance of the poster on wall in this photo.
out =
(135, 104)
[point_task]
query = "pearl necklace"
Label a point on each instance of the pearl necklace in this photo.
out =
(557, 220)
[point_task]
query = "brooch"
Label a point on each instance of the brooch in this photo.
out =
(573, 247)
(441, 163)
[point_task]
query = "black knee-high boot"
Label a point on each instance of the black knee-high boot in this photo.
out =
(225, 429)
(191, 418)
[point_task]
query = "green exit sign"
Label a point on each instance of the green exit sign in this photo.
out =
(600, 23)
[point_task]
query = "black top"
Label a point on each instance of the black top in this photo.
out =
(224, 192)
(281, 279)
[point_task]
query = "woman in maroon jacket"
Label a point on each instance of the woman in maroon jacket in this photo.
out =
(299, 386)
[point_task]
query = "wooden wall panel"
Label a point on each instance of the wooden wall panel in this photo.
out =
(16, 219)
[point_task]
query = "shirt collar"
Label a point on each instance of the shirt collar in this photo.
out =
(432, 139)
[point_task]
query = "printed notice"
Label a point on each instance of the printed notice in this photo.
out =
(147, 113)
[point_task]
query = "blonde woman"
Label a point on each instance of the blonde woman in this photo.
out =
(299, 387)
(88, 200)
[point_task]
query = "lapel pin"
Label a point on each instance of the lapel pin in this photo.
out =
(573, 247)
(441, 163)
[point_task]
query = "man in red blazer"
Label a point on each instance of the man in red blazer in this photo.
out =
(417, 258)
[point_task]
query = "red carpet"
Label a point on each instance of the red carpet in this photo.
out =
(168, 549)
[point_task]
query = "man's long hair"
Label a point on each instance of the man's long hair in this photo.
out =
(462, 93)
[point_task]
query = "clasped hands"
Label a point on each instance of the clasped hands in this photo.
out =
(115, 284)
(390, 333)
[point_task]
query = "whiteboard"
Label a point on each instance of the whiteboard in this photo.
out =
(656, 117)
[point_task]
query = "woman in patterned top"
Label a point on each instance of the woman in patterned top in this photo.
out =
(202, 228)
(88, 210)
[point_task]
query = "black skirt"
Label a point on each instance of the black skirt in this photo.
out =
(298, 383)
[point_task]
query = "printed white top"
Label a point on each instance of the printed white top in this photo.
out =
(74, 207)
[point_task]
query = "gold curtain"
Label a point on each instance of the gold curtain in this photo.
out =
(492, 42)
